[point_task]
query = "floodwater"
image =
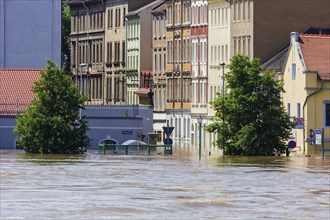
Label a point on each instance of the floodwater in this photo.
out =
(180, 186)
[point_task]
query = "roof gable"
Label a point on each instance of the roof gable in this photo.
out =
(16, 90)
(316, 53)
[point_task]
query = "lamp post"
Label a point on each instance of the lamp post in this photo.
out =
(223, 104)
(82, 65)
(223, 78)
(199, 120)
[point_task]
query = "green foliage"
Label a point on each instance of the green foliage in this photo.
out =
(250, 119)
(51, 124)
(66, 29)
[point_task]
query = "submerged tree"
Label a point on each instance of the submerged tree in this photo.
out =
(52, 123)
(250, 119)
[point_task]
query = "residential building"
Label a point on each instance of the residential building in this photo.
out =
(260, 28)
(139, 44)
(159, 68)
(199, 70)
(178, 69)
(115, 50)
(30, 33)
(306, 78)
(218, 53)
(87, 48)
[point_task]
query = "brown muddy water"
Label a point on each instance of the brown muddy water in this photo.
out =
(180, 186)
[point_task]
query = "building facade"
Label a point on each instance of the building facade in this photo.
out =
(139, 48)
(87, 49)
(218, 53)
(178, 69)
(30, 33)
(306, 78)
(115, 50)
(260, 28)
(159, 68)
(199, 70)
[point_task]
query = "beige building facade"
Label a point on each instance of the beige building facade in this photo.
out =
(178, 69)
(159, 68)
(306, 78)
(260, 28)
(218, 53)
(87, 49)
(115, 52)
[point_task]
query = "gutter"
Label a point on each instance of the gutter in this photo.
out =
(305, 102)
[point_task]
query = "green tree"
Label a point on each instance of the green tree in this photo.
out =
(52, 124)
(250, 119)
(66, 29)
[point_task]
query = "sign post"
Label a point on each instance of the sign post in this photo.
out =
(319, 139)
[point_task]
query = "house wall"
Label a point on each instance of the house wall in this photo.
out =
(295, 93)
(242, 24)
(115, 58)
(133, 58)
(309, 93)
(146, 39)
(260, 28)
(315, 112)
(178, 70)
(159, 69)
(30, 33)
(218, 52)
(274, 20)
(120, 122)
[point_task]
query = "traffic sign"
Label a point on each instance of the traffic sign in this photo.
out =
(168, 141)
(292, 144)
(168, 130)
(318, 136)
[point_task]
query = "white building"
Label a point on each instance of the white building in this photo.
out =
(218, 53)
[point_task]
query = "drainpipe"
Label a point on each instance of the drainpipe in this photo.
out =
(305, 102)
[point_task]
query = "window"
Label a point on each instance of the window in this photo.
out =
(288, 109)
(110, 18)
(235, 9)
(117, 21)
(244, 7)
(235, 46)
(298, 110)
(155, 61)
(154, 26)
(117, 52)
(244, 46)
(124, 14)
(327, 114)
(293, 71)
(248, 9)
(123, 51)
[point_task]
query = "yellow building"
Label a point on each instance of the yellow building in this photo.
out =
(306, 78)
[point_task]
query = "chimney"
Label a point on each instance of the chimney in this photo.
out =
(294, 37)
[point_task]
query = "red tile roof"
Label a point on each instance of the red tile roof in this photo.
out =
(316, 53)
(15, 89)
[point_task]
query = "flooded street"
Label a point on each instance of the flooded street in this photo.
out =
(180, 186)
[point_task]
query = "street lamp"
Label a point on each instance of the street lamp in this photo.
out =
(223, 100)
(223, 78)
(82, 65)
(199, 120)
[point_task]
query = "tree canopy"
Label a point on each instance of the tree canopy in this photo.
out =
(52, 124)
(66, 29)
(250, 119)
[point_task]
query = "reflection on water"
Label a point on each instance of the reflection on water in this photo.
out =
(180, 186)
